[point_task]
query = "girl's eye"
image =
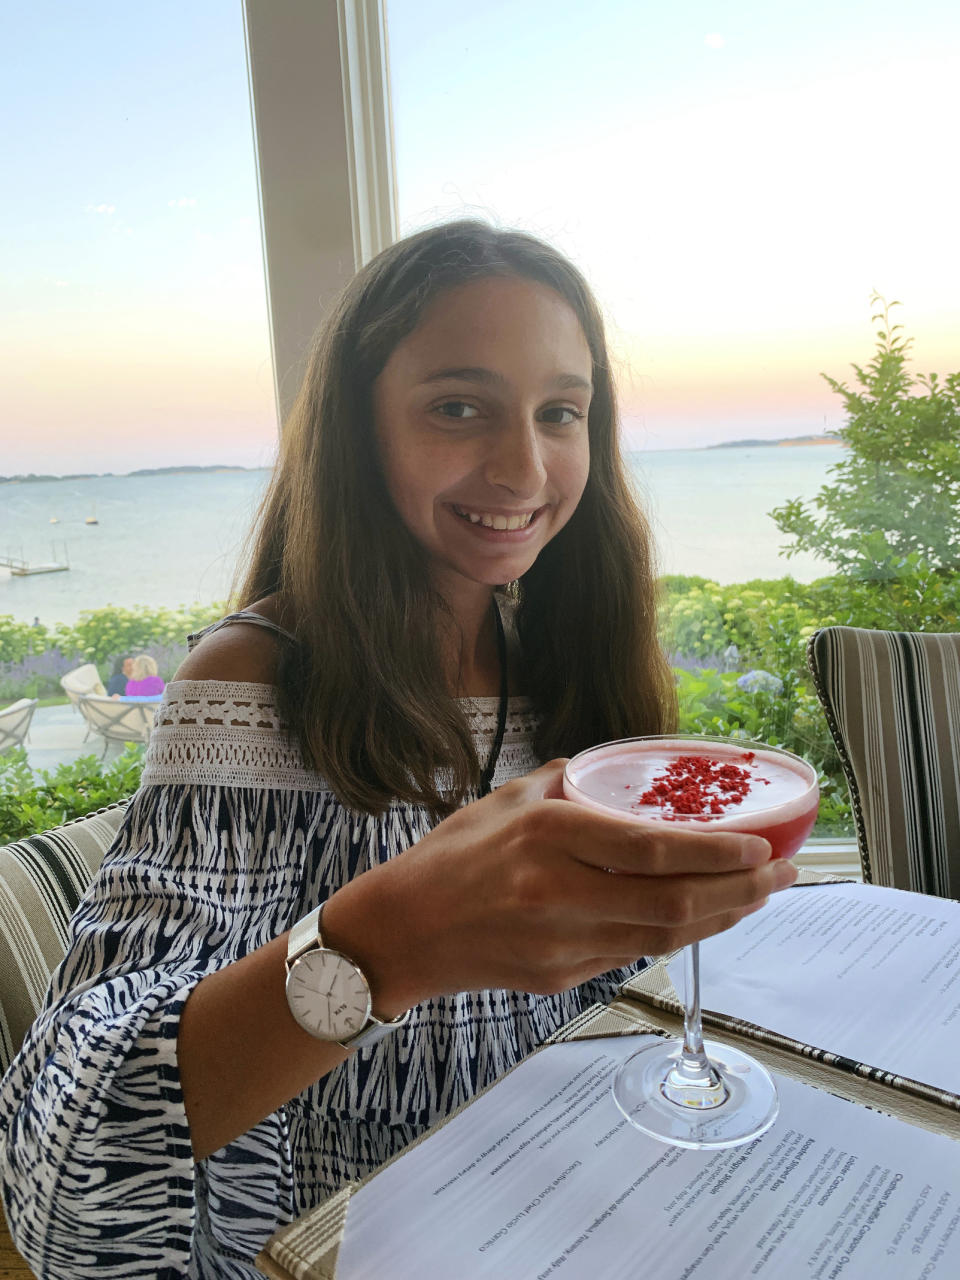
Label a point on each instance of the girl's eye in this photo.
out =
(457, 409)
(561, 415)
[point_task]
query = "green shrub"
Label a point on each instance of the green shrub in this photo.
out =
(29, 803)
(101, 635)
(19, 640)
(769, 620)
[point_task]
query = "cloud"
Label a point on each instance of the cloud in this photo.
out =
(106, 209)
(714, 40)
(182, 202)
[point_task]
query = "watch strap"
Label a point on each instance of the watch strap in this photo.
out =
(305, 935)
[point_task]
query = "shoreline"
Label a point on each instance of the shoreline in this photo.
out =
(145, 472)
(789, 442)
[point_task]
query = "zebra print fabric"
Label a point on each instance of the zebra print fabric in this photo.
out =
(98, 1176)
(892, 701)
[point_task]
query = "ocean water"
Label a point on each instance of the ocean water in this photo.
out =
(173, 540)
(164, 540)
(709, 508)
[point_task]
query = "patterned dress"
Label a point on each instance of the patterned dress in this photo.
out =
(228, 842)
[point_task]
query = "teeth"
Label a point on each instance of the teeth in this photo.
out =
(496, 522)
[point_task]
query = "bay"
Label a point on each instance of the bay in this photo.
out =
(176, 539)
(709, 508)
(160, 541)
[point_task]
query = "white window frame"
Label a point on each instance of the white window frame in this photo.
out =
(323, 140)
(841, 856)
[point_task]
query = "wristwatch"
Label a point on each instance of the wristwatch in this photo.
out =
(328, 993)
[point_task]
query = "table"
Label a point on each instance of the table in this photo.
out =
(12, 1266)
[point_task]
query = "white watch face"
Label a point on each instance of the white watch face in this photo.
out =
(328, 995)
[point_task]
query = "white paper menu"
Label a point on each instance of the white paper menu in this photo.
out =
(864, 971)
(542, 1177)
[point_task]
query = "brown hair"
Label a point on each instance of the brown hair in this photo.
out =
(360, 690)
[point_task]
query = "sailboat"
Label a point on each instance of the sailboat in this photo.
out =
(92, 519)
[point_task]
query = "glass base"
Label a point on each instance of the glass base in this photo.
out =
(741, 1109)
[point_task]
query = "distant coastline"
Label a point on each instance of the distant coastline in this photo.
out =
(33, 478)
(787, 441)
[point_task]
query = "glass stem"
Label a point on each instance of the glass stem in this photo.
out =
(693, 1061)
(693, 1081)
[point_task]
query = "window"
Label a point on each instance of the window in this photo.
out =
(735, 181)
(135, 328)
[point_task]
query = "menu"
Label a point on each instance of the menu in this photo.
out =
(867, 972)
(543, 1176)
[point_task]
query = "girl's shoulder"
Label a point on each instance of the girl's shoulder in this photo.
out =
(243, 647)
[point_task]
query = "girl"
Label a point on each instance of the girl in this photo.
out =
(346, 897)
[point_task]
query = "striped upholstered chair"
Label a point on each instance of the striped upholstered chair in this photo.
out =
(892, 701)
(42, 879)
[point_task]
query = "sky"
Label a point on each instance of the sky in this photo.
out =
(735, 180)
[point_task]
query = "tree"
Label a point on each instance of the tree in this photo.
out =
(894, 500)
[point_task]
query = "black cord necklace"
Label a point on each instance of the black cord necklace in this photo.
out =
(486, 778)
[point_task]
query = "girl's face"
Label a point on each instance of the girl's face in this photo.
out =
(481, 423)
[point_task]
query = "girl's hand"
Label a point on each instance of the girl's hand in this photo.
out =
(515, 891)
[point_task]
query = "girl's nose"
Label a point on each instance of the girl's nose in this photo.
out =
(516, 462)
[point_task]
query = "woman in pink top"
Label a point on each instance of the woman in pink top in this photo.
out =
(144, 681)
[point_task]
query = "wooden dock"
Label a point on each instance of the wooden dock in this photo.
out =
(21, 568)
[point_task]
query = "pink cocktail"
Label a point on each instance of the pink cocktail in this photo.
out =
(686, 1092)
(779, 802)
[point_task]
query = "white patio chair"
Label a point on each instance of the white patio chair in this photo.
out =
(115, 720)
(82, 680)
(15, 722)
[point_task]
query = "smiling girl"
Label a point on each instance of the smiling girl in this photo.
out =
(348, 894)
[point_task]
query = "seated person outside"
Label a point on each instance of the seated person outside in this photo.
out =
(144, 681)
(122, 672)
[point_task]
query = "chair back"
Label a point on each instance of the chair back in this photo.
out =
(15, 722)
(81, 680)
(42, 880)
(118, 721)
(892, 701)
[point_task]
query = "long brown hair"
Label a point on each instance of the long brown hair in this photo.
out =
(360, 691)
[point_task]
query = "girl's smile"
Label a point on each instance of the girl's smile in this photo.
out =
(499, 521)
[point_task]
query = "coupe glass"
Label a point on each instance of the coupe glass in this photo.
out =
(687, 1092)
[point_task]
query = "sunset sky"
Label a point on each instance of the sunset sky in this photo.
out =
(734, 178)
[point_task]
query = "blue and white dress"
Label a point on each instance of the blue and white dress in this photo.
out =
(228, 842)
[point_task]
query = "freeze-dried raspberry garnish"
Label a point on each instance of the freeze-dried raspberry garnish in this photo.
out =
(698, 788)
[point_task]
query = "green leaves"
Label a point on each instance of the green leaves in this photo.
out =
(896, 494)
(29, 804)
(19, 640)
(99, 635)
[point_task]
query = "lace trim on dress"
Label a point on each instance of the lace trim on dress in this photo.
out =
(230, 733)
